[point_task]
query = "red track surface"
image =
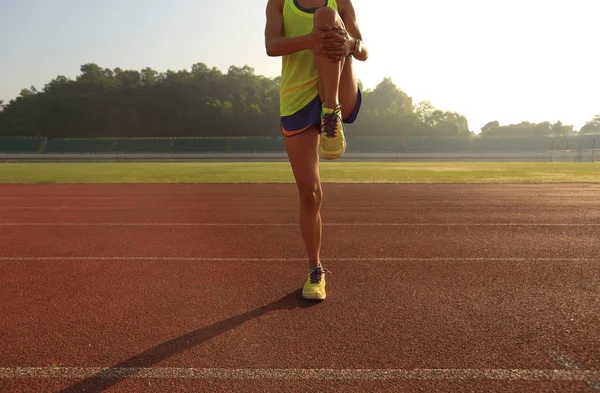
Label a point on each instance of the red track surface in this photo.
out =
(423, 278)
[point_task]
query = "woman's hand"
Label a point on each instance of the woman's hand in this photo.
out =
(334, 43)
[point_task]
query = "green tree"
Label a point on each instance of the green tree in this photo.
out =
(558, 129)
(26, 93)
(442, 123)
(592, 127)
(149, 77)
(387, 111)
(490, 128)
(202, 101)
(526, 128)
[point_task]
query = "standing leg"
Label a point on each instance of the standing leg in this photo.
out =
(304, 159)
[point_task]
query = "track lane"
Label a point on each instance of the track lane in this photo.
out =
(405, 313)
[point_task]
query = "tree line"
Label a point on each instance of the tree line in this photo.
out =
(203, 101)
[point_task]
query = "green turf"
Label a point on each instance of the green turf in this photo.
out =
(331, 172)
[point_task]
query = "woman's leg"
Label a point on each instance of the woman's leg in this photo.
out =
(338, 88)
(303, 155)
(329, 72)
(302, 150)
(348, 88)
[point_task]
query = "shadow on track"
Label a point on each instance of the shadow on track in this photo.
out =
(112, 375)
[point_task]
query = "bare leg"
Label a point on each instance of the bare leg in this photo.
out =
(302, 152)
(348, 88)
(329, 72)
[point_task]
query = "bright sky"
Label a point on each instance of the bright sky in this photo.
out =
(509, 60)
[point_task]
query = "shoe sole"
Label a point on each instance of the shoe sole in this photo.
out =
(325, 157)
(330, 158)
(314, 298)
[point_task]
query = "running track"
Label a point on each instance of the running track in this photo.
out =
(435, 288)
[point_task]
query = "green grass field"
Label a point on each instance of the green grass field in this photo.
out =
(331, 172)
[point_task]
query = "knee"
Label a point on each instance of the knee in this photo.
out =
(326, 16)
(311, 195)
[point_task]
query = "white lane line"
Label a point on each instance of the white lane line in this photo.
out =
(284, 259)
(567, 363)
(255, 224)
(301, 374)
(294, 208)
(138, 198)
(196, 207)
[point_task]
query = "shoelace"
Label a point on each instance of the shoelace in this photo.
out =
(316, 274)
(330, 121)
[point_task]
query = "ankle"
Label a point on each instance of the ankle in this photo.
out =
(314, 265)
(329, 107)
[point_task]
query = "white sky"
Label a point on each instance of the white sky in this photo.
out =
(488, 60)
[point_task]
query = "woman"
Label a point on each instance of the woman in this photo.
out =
(318, 40)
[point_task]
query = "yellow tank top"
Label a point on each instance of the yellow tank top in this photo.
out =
(299, 74)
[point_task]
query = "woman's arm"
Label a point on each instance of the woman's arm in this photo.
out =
(275, 43)
(348, 15)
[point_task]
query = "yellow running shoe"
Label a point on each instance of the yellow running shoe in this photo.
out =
(333, 142)
(314, 287)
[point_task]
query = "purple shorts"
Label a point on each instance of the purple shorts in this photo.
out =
(311, 115)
